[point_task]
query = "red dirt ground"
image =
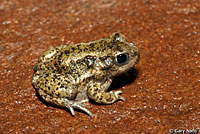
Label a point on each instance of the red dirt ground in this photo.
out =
(165, 94)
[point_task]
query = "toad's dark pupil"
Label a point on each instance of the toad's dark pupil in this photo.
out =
(121, 58)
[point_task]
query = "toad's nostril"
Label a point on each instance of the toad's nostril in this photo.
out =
(136, 54)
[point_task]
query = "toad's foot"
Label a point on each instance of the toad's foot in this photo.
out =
(64, 102)
(78, 105)
(118, 96)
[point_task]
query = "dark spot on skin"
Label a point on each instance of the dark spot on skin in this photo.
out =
(78, 46)
(58, 94)
(73, 48)
(67, 52)
(103, 58)
(82, 60)
(59, 70)
(55, 64)
(100, 98)
(66, 73)
(113, 45)
(119, 49)
(73, 70)
(64, 67)
(71, 61)
(85, 49)
(91, 45)
(60, 60)
(78, 61)
(61, 54)
(92, 50)
(102, 42)
(93, 95)
(108, 100)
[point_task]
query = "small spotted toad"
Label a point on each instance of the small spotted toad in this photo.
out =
(68, 76)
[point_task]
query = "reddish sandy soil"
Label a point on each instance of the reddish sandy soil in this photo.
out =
(164, 95)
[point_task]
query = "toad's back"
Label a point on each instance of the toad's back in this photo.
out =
(79, 59)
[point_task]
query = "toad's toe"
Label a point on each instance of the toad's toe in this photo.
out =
(79, 106)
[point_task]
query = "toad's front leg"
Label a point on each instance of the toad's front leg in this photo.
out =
(97, 92)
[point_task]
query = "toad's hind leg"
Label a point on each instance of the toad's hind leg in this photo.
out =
(58, 90)
(63, 102)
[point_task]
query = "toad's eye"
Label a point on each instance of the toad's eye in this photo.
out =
(122, 59)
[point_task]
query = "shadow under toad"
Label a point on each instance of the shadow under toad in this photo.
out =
(121, 81)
